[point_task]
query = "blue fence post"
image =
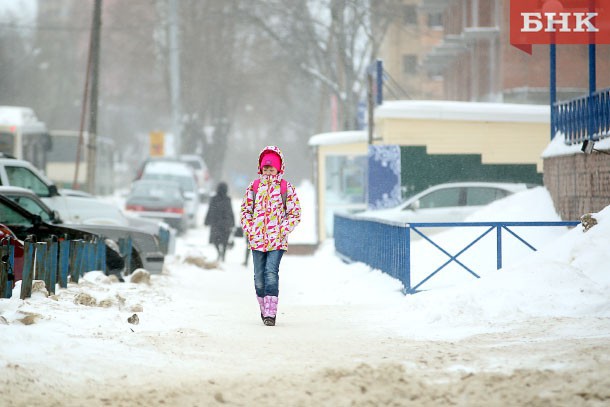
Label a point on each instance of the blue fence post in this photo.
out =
(101, 255)
(75, 260)
(91, 260)
(29, 248)
(553, 87)
(64, 263)
(407, 281)
(499, 246)
(125, 246)
(379, 69)
(5, 283)
(7, 279)
(52, 265)
(40, 267)
(84, 261)
(164, 240)
(11, 263)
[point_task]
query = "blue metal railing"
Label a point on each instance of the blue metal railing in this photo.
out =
(386, 246)
(53, 262)
(583, 118)
(497, 226)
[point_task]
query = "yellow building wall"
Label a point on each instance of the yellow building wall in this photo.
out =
(497, 142)
(323, 151)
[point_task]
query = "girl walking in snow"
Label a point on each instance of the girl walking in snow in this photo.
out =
(270, 210)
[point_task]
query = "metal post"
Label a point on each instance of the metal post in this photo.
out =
(5, 283)
(91, 256)
(64, 263)
(125, 246)
(553, 86)
(499, 246)
(99, 248)
(371, 108)
(75, 253)
(40, 267)
(9, 267)
(95, 62)
(174, 74)
(592, 86)
(28, 269)
(407, 281)
(379, 82)
(52, 265)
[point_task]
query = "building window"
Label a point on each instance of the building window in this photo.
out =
(409, 14)
(409, 63)
(435, 20)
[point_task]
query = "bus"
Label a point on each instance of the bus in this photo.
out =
(23, 135)
(61, 161)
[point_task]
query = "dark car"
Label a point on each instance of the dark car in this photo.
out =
(158, 199)
(146, 252)
(24, 223)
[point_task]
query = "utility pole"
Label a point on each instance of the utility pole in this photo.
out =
(95, 62)
(174, 75)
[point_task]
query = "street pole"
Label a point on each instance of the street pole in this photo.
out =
(371, 107)
(95, 61)
(174, 74)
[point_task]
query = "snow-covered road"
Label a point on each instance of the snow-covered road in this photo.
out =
(345, 335)
(339, 342)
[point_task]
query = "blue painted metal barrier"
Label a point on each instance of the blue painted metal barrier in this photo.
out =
(28, 268)
(53, 262)
(386, 246)
(491, 226)
(7, 262)
(380, 245)
(164, 236)
(125, 247)
(583, 118)
(64, 263)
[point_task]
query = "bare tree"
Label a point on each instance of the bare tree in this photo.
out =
(331, 41)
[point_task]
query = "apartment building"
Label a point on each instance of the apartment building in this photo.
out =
(460, 50)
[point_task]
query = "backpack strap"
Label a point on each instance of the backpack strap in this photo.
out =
(283, 190)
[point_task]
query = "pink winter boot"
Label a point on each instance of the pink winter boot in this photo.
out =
(262, 307)
(269, 310)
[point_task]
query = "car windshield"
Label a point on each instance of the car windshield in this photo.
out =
(186, 182)
(195, 164)
(23, 177)
(10, 217)
(157, 190)
(31, 206)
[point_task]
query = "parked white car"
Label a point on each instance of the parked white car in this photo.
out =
(451, 202)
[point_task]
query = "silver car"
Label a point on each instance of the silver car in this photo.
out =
(161, 200)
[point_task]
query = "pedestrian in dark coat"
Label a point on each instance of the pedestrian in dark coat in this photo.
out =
(220, 219)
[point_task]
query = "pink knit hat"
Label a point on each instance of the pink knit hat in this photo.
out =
(271, 158)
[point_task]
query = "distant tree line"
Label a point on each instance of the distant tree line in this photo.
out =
(251, 72)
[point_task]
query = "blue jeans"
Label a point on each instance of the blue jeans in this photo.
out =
(266, 272)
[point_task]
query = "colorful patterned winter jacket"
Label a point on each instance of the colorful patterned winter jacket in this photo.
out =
(267, 222)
